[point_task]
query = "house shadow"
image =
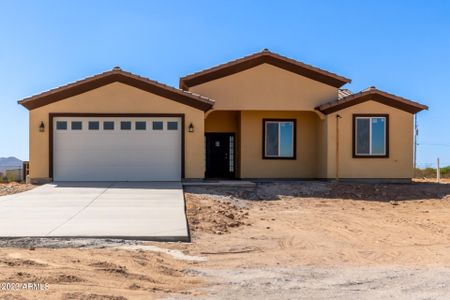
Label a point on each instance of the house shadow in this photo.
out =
(276, 190)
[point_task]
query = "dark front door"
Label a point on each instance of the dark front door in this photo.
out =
(219, 155)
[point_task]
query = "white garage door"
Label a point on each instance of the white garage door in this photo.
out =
(116, 149)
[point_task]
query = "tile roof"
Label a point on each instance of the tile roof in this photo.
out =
(264, 56)
(371, 93)
(117, 75)
(343, 93)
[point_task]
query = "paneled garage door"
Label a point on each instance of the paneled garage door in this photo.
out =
(117, 148)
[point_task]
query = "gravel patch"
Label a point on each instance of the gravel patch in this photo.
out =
(344, 283)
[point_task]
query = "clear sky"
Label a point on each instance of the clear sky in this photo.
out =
(402, 47)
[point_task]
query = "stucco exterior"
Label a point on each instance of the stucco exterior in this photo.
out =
(399, 164)
(116, 98)
(266, 87)
(237, 101)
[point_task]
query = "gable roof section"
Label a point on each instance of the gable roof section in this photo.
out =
(117, 75)
(259, 58)
(374, 94)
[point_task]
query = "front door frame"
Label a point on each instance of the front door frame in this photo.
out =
(232, 174)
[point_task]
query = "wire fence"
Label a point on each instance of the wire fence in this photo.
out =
(13, 173)
(435, 169)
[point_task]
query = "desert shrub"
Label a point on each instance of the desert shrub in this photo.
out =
(431, 172)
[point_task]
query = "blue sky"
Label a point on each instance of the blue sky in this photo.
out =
(402, 47)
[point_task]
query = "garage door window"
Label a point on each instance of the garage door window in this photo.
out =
(157, 125)
(108, 125)
(125, 125)
(141, 125)
(61, 125)
(94, 125)
(77, 125)
(172, 125)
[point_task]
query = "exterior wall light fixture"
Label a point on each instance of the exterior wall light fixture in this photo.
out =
(42, 127)
(191, 127)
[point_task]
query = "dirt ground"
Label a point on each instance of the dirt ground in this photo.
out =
(287, 240)
(14, 187)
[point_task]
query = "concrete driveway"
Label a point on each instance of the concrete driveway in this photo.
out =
(131, 210)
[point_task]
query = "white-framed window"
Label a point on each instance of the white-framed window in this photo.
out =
(279, 139)
(157, 125)
(108, 125)
(172, 125)
(94, 125)
(125, 125)
(370, 136)
(61, 125)
(140, 125)
(76, 125)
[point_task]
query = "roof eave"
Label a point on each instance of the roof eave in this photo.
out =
(99, 80)
(378, 96)
(256, 59)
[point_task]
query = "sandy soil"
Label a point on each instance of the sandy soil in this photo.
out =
(324, 240)
(94, 273)
(14, 187)
(310, 240)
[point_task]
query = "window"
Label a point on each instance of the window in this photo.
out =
(157, 125)
(76, 125)
(108, 125)
(279, 139)
(61, 125)
(172, 125)
(94, 125)
(370, 135)
(125, 125)
(141, 125)
(231, 162)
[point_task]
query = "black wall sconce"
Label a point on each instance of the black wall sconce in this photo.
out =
(191, 128)
(42, 127)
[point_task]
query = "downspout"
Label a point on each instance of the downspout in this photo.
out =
(337, 146)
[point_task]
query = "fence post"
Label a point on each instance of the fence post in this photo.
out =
(438, 171)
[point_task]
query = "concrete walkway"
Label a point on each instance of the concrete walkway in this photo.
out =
(131, 210)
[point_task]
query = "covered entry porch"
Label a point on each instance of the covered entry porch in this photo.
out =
(263, 144)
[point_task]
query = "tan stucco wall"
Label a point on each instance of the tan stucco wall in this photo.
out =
(266, 87)
(322, 144)
(252, 164)
(401, 144)
(222, 121)
(116, 98)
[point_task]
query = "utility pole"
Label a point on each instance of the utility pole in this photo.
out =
(416, 133)
(438, 171)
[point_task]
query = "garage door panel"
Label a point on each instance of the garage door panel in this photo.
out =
(117, 155)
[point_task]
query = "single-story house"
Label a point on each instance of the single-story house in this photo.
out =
(260, 116)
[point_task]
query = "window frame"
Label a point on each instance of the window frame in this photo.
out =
(386, 136)
(93, 122)
(76, 121)
(59, 129)
(294, 146)
(173, 122)
(108, 121)
(123, 122)
(157, 129)
(140, 122)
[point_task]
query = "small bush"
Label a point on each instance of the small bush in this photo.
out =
(431, 172)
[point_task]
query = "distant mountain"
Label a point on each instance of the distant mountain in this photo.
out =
(8, 163)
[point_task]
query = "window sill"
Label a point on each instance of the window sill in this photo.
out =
(282, 158)
(370, 156)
